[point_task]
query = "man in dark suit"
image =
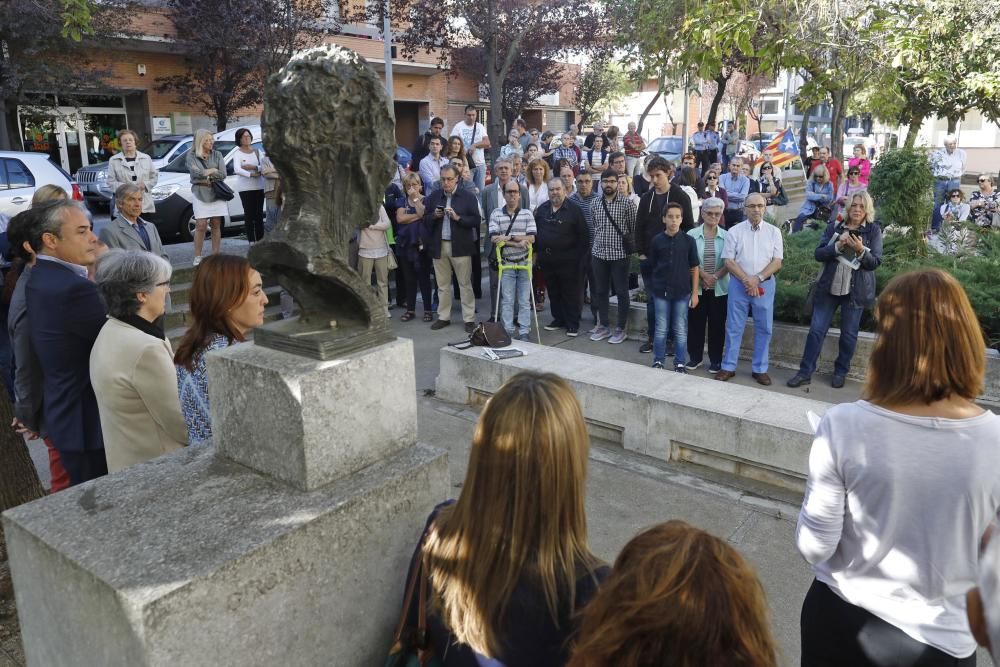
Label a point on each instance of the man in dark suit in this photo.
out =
(65, 315)
(452, 214)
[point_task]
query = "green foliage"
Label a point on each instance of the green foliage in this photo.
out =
(902, 185)
(77, 18)
(900, 253)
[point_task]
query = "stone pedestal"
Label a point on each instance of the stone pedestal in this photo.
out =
(286, 545)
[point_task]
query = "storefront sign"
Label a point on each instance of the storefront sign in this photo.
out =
(182, 123)
(162, 125)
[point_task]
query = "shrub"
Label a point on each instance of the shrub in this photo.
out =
(903, 189)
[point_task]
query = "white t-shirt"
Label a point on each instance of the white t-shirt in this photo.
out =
(244, 181)
(471, 134)
(894, 509)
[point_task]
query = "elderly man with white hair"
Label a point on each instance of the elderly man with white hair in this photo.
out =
(947, 165)
(710, 239)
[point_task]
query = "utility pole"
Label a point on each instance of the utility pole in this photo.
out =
(387, 44)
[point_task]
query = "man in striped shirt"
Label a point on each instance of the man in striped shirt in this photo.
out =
(514, 226)
(614, 218)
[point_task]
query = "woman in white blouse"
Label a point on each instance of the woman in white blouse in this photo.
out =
(537, 184)
(902, 486)
(250, 184)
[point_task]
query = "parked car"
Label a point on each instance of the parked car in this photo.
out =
(21, 173)
(174, 216)
(93, 178)
(669, 148)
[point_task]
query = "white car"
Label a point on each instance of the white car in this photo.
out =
(21, 173)
(172, 195)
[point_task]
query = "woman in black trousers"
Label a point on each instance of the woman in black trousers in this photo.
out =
(711, 311)
(411, 240)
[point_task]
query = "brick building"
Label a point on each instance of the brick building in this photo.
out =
(77, 136)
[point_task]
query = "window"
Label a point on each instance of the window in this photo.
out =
(769, 107)
(16, 175)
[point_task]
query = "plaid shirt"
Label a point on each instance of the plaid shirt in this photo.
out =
(607, 240)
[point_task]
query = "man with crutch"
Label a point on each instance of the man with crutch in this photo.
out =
(512, 229)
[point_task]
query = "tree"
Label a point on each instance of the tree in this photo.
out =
(508, 32)
(42, 49)
(221, 78)
(528, 80)
(18, 478)
(599, 85)
(943, 60)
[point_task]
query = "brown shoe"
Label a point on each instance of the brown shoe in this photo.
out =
(725, 376)
(762, 378)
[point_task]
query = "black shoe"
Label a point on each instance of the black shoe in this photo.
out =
(440, 324)
(798, 380)
(572, 332)
(646, 347)
(554, 325)
(837, 382)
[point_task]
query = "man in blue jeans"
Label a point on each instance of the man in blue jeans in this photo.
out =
(947, 165)
(753, 252)
(674, 289)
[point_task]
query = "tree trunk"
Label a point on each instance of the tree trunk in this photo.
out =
(804, 134)
(840, 98)
(4, 134)
(916, 120)
(720, 91)
(19, 481)
(953, 124)
(649, 107)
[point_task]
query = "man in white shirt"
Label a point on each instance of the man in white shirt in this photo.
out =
(753, 253)
(947, 165)
(476, 140)
(430, 166)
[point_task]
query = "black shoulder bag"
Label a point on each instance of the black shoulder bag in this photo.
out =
(219, 187)
(628, 241)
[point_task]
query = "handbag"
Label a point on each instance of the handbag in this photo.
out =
(490, 334)
(780, 199)
(628, 241)
(391, 259)
(410, 646)
(222, 191)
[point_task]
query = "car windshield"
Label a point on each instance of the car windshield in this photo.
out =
(158, 149)
(179, 163)
(665, 145)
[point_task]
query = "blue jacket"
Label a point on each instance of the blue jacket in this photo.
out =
(816, 195)
(65, 314)
(698, 234)
(862, 280)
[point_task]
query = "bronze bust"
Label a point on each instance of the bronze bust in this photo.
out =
(330, 134)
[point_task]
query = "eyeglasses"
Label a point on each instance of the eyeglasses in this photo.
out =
(511, 192)
(755, 206)
(711, 213)
(165, 283)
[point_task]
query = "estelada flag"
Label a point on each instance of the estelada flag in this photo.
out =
(783, 147)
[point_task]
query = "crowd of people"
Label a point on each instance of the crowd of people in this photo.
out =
(93, 372)
(898, 577)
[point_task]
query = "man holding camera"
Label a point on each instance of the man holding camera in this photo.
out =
(452, 214)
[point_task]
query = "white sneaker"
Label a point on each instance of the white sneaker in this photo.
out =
(196, 261)
(600, 333)
(619, 336)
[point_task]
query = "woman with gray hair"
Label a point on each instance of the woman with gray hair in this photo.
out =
(132, 363)
(713, 300)
(135, 167)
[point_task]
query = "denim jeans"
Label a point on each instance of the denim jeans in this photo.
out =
(479, 177)
(941, 188)
(515, 283)
(671, 313)
(736, 320)
(272, 211)
(824, 305)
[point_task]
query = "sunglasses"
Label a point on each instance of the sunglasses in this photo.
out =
(711, 178)
(984, 180)
(956, 196)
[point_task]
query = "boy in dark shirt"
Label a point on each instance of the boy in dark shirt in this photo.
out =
(674, 256)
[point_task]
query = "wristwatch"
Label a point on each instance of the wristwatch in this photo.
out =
(760, 277)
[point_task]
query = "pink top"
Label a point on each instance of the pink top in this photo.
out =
(864, 163)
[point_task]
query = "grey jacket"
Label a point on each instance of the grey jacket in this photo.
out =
(27, 372)
(120, 234)
(200, 185)
(145, 173)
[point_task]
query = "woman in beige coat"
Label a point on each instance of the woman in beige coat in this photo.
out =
(131, 363)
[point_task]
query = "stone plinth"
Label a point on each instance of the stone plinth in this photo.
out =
(194, 560)
(294, 554)
(670, 416)
(310, 422)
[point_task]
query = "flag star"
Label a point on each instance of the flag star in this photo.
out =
(788, 145)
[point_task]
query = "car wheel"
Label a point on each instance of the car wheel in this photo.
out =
(186, 227)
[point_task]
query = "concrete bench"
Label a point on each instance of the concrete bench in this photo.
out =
(741, 430)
